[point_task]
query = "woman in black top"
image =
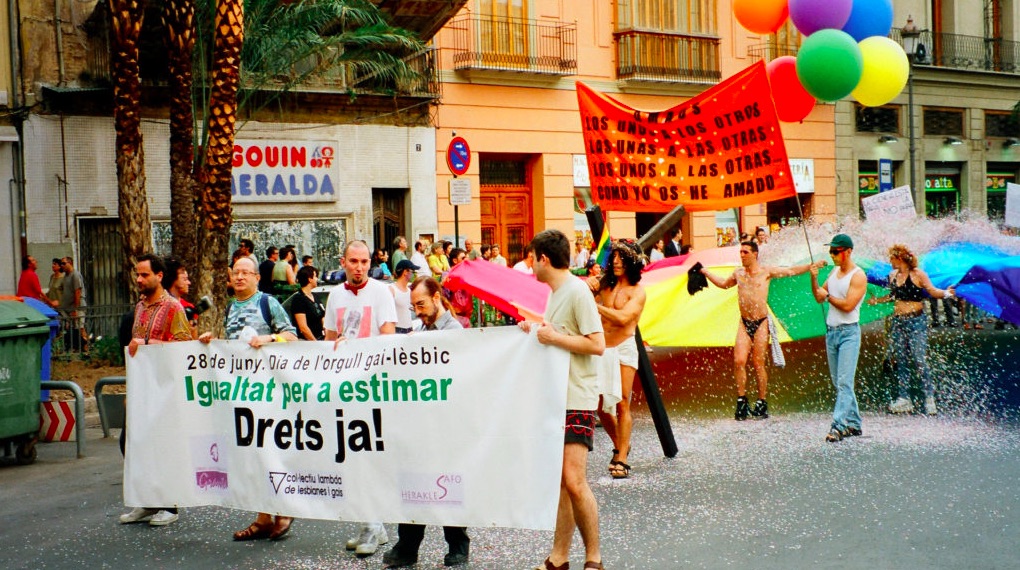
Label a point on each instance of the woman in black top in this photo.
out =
(307, 313)
(909, 330)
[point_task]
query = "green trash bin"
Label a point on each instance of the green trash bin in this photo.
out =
(23, 332)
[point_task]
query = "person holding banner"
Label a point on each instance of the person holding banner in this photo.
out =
(844, 290)
(752, 280)
(620, 300)
(909, 331)
(159, 318)
(362, 307)
(259, 319)
(433, 312)
(572, 323)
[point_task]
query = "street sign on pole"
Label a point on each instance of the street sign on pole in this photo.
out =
(458, 156)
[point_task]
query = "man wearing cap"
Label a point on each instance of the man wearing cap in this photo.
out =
(403, 273)
(844, 290)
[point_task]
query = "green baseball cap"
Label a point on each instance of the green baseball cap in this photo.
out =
(841, 240)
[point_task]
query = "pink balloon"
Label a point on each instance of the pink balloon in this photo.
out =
(793, 102)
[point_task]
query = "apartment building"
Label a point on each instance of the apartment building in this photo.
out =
(509, 67)
(953, 135)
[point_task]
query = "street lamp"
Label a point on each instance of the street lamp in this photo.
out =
(910, 36)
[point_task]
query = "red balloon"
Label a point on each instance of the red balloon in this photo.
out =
(793, 102)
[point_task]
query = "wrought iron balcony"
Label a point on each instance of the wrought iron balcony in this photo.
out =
(665, 57)
(966, 52)
(494, 43)
(770, 51)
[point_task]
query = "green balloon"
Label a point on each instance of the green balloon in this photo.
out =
(829, 64)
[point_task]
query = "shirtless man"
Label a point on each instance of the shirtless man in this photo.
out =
(620, 301)
(752, 280)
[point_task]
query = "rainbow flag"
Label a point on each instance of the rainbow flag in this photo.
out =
(603, 250)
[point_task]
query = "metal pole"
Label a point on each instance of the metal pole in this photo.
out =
(456, 226)
(910, 136)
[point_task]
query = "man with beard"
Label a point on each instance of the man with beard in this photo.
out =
(159, 318)
(434, 312)
(360, 308)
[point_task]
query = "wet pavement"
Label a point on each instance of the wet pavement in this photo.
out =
(912, 492)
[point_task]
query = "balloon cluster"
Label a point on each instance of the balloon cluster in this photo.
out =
(845, 51)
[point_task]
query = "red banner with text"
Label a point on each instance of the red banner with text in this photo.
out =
(719, 150)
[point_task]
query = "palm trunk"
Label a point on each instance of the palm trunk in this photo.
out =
(214, 231)
(132, 205)
(179, 25)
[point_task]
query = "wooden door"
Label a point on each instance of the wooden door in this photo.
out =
(506, 219)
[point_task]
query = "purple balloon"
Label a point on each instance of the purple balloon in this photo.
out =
(869, 18)
(812, 15)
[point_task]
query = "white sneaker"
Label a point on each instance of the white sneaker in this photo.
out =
(929, 406)
(372, 535)
(162, 518)
(137, 514)
(901, 406)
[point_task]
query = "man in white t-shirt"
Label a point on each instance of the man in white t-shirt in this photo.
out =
(361, 307)
(527, 264)
(572, 322)
(418, 258)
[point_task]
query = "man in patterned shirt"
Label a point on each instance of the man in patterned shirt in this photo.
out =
(159, 318)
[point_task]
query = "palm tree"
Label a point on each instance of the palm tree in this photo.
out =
(132, 202)
(284, 45)
(178, 17)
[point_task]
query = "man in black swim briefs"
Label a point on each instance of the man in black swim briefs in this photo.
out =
(752, 280)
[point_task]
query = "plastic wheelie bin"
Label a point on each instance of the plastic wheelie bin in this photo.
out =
(23, 332)
(47, 349)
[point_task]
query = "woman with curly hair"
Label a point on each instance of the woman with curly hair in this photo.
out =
(909, 327)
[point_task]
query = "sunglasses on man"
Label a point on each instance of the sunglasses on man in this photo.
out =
(836, 250)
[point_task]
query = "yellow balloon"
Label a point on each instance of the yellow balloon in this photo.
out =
(884, 73)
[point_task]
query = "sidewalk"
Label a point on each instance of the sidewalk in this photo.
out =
(914, 492)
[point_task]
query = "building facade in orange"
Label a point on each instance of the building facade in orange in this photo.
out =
(508, 72)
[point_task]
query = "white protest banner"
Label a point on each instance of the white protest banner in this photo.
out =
(461, 428)
(896, 204)
(1013, 205)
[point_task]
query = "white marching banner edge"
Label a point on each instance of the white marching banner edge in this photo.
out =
(459, 428)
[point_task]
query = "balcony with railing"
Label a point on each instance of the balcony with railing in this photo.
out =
(666, 57)
(494, 43)
(770, 51)
(966, 52)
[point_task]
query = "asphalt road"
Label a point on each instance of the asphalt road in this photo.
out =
(914, 492)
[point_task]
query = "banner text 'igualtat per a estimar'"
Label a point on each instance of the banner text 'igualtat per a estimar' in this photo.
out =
(719, 150)
(461, 428)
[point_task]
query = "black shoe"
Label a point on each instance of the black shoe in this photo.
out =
(455, 559)
(852, 432)
(742, 409)
(396, 558)
(760, 409)
(834, 435)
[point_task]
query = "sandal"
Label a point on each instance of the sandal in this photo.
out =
(595, 565)
(254, 531)
(281, 527)
(547, 565)
(613, 461)
(619, 470)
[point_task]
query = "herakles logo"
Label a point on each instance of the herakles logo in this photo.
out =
(432, 488)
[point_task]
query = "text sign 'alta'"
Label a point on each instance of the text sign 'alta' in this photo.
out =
(269, 171)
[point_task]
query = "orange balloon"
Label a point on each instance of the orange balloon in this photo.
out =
(761, 16)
